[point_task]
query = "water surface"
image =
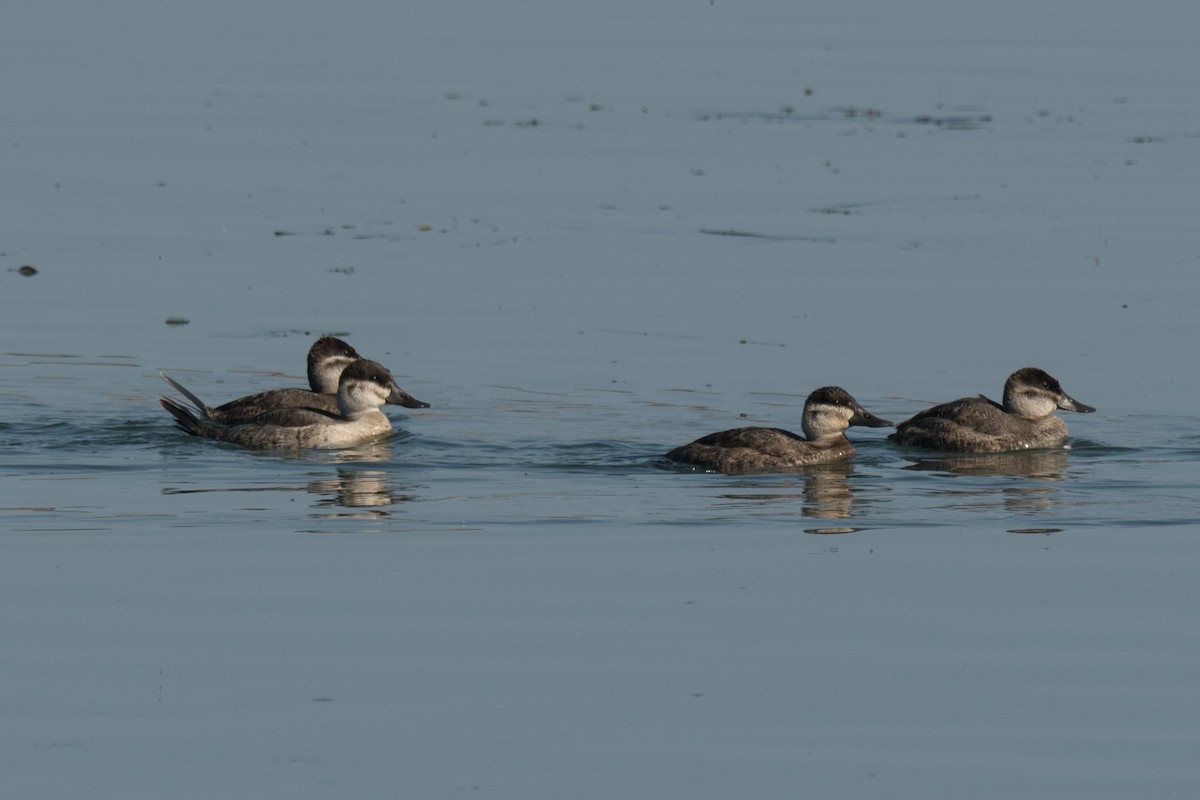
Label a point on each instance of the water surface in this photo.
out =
(586, 237)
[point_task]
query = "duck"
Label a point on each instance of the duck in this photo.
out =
(327, 357)
(1022, 421)
(828, 411)
(363, 388)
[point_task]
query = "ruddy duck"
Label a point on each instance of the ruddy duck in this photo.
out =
(827, 412)
(363, 388)
(327, 357)
(980, 425)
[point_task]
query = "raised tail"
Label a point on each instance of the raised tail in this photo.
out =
(185, 418)
(202, 410)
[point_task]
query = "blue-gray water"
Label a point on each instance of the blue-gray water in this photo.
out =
(585, 236)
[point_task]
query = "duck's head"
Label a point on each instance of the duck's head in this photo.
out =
(327, 357)
(367, 384)
(1033, 393)
(831, 409)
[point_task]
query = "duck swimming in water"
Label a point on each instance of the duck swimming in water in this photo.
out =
(363, 388)
(827, 413)
(327, 357)
(979, 425)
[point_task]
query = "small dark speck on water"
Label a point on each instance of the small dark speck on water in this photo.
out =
(177, 321)
(27, 270)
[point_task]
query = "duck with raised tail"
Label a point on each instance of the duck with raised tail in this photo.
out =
(363, 388)
(327, 357)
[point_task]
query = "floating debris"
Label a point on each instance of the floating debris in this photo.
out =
(27, 270)
(967, 120)
(177, 321)
(767, 236)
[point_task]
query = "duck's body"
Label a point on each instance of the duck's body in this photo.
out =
(1023, 421)
(827, 413)
(364, 387)
(760, 449)
(327, 357)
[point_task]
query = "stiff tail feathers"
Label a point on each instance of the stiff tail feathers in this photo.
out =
(197, 420)
(185, 418)
(202, 410)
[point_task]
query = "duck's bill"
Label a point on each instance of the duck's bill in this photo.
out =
(1071, 404)
(399, 397)
(869, 420)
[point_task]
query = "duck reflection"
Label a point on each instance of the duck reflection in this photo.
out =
(1048, 464)
(828, 493)
(348, 483)
(369, 452)
(356, 490)
(361, 492)
(824, 490)
(1047, 467)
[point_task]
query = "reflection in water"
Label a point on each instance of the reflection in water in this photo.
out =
(1046, 466)
(374, 452)
(351, 491)
(827, 493)
(365, 493)
(1029, 499)
(823, 488)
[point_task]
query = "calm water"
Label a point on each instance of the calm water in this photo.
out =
(587, 237)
